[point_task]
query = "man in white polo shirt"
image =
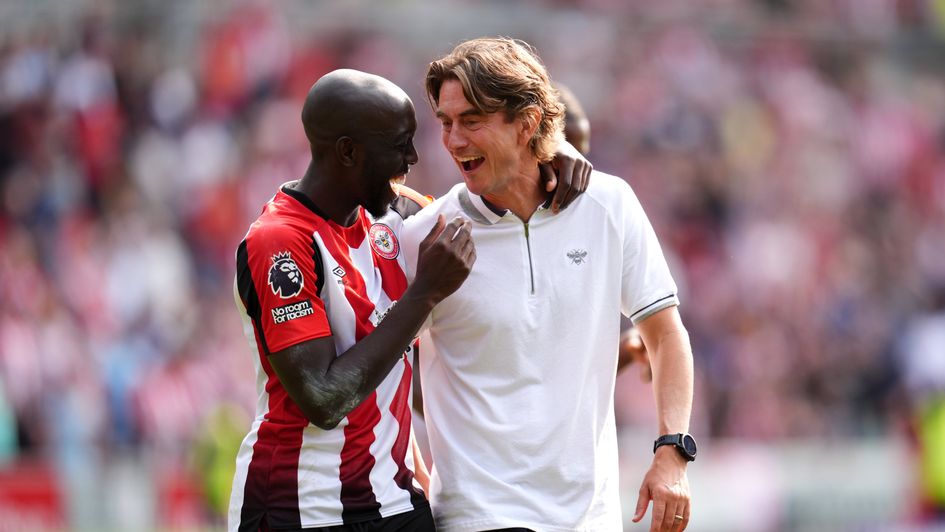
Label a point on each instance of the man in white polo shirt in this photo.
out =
(518, 364)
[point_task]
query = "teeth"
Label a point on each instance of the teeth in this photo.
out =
(467, 159)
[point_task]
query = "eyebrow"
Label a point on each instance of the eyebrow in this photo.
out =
(472, 111)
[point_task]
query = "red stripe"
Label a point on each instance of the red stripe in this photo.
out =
(357, 494)
(355, 290)
(272, 488)
(400, 408)
(393, 278)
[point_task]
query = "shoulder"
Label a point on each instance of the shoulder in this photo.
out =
(417, 226)
(609, 191)
(604, 182)
(446, 205)
(408, 201)
(277, 225)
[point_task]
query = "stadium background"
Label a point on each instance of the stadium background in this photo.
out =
(790, 153)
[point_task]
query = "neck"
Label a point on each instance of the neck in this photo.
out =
(523, 194)
(328, 195)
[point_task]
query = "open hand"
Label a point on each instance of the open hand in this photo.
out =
(567, 175)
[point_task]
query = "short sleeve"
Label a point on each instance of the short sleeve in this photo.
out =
(278, 280)
(648, 285)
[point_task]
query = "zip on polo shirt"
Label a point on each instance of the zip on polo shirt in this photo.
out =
(492, 214)
(528, 250)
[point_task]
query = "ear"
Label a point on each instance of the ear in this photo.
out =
(529, 120)
(347, 151)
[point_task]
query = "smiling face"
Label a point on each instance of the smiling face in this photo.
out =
(389, 153)
(488, 149)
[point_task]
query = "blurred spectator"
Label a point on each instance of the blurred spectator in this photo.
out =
(791, 155)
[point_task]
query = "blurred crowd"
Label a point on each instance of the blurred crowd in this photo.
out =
(791, 155)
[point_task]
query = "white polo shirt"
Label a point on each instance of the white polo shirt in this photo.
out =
(518, 365)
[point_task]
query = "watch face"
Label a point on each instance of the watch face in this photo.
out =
(689, 443)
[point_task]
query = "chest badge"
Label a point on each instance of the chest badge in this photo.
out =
(577, 256)
(384, 242)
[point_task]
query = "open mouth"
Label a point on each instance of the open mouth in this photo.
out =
(400, 178)
(469, 164)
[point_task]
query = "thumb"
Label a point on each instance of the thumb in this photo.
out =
(435, 230)
(643, 500)
(549, 177)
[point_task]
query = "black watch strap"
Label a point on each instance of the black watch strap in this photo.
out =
(684, 443)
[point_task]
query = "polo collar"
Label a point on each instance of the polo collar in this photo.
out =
(480, 210)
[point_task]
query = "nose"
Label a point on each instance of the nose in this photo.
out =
(454, 139)
(412, 155)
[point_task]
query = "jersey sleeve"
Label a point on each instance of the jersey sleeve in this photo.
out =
(278, 277)
(648, 285)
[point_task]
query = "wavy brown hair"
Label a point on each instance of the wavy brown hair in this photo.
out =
(502, 74)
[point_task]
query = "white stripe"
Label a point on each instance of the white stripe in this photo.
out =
(386, 490)
(320, 456)
(319, 468)
(391, 498)
(245, 455)
(243, 459)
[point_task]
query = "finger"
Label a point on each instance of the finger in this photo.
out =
(662, 520)
(643, 500)
(578, 184)
(569, 195)
(467, 242)
(685, 520)
(548, 177)
(469, 253)
(463, 232)
(584, 178)
(565, 185)
(675, 517)
(434, 231)
(452, 229)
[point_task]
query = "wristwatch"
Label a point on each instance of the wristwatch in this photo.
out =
(684, 443)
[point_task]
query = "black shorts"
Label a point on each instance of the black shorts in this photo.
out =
(418, 520)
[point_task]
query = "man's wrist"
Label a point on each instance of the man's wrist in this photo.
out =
(424, 302)
(683, 443)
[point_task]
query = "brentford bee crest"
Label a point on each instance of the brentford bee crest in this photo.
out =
(383, 241)
(285, 278)
(577, 256)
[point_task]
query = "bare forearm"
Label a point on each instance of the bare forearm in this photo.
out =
(665, 483)
(673, 381)
(328, 387)
(667, 343)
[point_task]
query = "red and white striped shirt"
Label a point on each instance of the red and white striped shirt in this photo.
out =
(301, 277)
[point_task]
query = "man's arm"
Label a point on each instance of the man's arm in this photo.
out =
(421, 473)
(633, 350)
(327, 387)
(666, 483)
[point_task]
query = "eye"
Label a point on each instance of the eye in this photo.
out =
(473, 122)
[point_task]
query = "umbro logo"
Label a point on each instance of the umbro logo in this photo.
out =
(577, 256)
(339, 271)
